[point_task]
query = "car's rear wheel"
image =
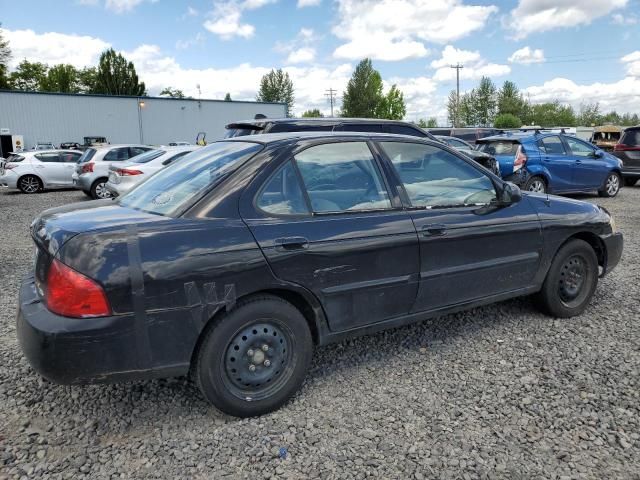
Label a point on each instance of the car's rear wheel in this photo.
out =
(630, 182)
(611, 185)
(254, 358)
(571, 280)
(99, 189)
(29, 184)
(536, 184)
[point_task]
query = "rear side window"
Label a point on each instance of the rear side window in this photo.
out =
(87, 155)
(48, 157)
(551, 146)
(282, 194)
(499, 147)
(135, 151)
(631, 137)
(342, 177)
(117, 155)
(69, 157)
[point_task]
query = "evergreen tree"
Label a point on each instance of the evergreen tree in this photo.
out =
(364, 92)
(5, 56)
(227, 97)
(117, 76)
(276, 86)
(61, 78)
(314, 113)
(391, 105)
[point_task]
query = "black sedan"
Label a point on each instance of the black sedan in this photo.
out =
(236, 261)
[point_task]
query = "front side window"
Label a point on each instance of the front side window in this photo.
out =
(282, 194)
(578, 148)
(551, 146)
(433, 177)
(172, 190)
(342, 177)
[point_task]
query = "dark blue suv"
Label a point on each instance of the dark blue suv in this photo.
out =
(554, 163)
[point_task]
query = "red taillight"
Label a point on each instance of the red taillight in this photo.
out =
(621, 147)
(125, 172)
(521, 159)
(71, 294)
(87, 167)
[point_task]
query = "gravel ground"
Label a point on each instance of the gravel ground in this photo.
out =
(495, 392)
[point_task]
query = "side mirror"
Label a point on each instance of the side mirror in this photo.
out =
(511, 193)
(598, 154)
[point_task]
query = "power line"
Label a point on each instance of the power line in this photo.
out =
(457, 66)
(331, 93)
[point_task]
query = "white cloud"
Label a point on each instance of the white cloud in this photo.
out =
(419, 96)
(626, 19)
(632, 62)
(225, 18)
(527, 56)
(116, 6)
(191, 12)
(197, 39)
(301, 55)
(308, 3)
(537, 16)
(474, 65)
(300, 49)
(620, 96)
(52, 47)
(395, 29)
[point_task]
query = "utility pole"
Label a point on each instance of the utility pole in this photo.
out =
(331, 93)
(457, 66)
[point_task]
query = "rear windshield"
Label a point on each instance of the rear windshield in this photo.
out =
(631, 137)
(499, 147)
(240, 132)
(148, 156)
(15, 158)
(87, 155)
(172, 190)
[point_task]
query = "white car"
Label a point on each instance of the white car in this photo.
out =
(123, 177)
(92, 171)
(37, 170)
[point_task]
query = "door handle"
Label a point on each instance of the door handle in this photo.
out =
(40, 166)
(578, 161)
(291, 243)
(434, 230)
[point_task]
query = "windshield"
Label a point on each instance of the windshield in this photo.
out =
(148, 156)
(499, 147)
(87, 155)
(176, 187)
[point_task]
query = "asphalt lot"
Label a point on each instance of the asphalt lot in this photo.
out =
(495, 392)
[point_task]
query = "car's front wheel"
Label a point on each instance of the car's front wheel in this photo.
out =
(536, 184)
(29, 184)
(611, 185)
(571, 280)
(255, 357)
(99, 189)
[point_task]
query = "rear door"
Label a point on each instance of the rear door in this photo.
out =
(589, 171)
(558, 162)
(469, 248)
(327, 220)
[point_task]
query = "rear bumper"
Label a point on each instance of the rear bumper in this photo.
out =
(9, 180)
(613, 244)
(83, 182)
(79, 351)
(117, 189)
(520, 178)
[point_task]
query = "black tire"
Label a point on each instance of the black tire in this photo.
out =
(231, 346)
(30, 184)
(98, 189)
(611, 185)
(630, 182)
(536, 184)
(571, 280)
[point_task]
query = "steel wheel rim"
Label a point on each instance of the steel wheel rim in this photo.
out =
(537, 186)
(30, 184)
(613, 184)
(574, 275)
(258, 360)
(101, 191)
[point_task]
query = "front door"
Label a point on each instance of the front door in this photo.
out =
(558, 162)
(326, 221)
(589, 170)
(470, 249)
(51, 169)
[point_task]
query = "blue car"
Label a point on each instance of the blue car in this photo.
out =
(554, 163)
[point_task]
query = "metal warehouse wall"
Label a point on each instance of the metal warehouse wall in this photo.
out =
(60, 118)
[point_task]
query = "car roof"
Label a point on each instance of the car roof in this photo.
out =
(271, 138)
(328, 120)
(118, 145)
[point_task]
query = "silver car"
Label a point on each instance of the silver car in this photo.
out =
(32, 171)
(123, 177)
(92, 171)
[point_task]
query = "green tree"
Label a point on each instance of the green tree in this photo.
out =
(276, 86)
(452, 108)
(507, 120)
(364, 92)
(5, 56)
(552, 114)
(61, 78)
(28, 76)
(627, 119)
(485, 102)
(227, 97)
(590, 115)
(391, 106)
(432, 122)
(314, 113)
(510, 100)
(172, 92)
(117, 76)
(87, 79)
